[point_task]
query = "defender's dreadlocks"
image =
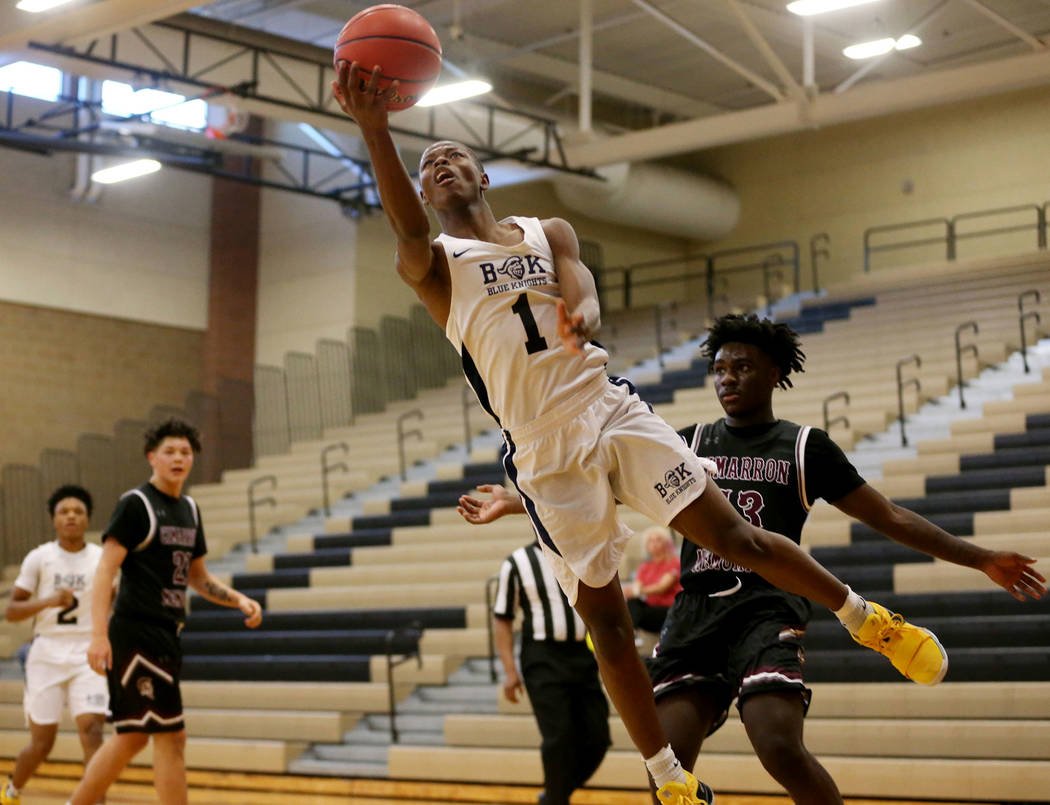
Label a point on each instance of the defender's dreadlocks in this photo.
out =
(778, 341)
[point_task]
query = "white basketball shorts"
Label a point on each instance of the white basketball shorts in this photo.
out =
(574, 463)
(51, 685)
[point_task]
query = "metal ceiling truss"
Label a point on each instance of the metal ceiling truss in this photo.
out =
(293, 83)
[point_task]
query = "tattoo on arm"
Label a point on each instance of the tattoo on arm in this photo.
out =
(218, 592)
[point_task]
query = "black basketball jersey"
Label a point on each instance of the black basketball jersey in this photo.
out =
(163, 536)
(772, 473)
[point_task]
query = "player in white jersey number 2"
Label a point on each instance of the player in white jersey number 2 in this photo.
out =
(54, 588)
(521, 309)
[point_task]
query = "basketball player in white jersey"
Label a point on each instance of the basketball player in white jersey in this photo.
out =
(519, 306)
(54, 588)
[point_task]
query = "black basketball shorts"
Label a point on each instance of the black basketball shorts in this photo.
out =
(144, 679)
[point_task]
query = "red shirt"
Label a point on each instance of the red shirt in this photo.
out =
(651, 572)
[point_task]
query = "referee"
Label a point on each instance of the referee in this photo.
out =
(559, 672)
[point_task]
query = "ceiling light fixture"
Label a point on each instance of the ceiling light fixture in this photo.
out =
(454, 92)
(40, 5)
(806, 8)
(879, 47)
(125, 171)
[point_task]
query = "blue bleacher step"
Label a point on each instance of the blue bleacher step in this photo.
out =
(378, 724)
(352, 753)
(321, 768)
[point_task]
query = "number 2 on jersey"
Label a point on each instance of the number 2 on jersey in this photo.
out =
(64, 617)
(534, 342)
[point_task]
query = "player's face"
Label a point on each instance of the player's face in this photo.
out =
(448, 173)
(172, 460)
(70, 518)
(744, 379)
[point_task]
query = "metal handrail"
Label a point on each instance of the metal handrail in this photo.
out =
(1044, 218)
(815, 251)
(901, 384)
(489, 583)
(464, 395)
(828, 423)
(402, 434)
(327, 468)
(658, 327)
(767, 264)
(868, 248)
(252, 503)
(1022, 317)
(959, 350)
(391, 664)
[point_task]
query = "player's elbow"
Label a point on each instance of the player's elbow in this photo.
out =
(748, 546)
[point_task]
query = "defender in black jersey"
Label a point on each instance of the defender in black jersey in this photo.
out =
(732, 635)
(156, 539)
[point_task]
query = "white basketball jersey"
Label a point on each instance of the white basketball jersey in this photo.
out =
(49, 568)
(503, 321)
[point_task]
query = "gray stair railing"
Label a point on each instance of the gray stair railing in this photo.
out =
(254, 502)
(327, 469)
(491, 582)
(901, 385)
(960, 349)
(402, 434)
(819, 246)
(1022, 317)
(828, 422)
(392, 663)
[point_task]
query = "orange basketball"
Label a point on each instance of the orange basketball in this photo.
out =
(401, 42)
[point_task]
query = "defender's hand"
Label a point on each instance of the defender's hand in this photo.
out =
(100, 655)
(1014, 573)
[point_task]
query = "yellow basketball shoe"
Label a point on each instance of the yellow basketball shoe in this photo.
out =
(691, 792)
(914, 651)
(8, 799)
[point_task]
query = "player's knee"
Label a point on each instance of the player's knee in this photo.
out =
(134, 742)
(43, 742)
(780, 754)
(90, 732)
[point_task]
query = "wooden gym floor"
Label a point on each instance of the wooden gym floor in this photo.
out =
(55, 781)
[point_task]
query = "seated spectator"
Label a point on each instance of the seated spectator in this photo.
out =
(655, 584)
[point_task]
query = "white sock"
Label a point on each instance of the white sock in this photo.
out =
(854, 612)
(11, 791)
(665, 768)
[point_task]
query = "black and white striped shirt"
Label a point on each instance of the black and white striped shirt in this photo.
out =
(525, 580)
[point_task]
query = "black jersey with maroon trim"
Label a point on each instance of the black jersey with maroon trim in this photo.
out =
(163, 536)
(772, 473)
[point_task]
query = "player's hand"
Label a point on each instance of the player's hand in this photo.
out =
(1015, 574)
(512, 687)
(478, 512)
(365, 104)
(251, 608)
(572, 330)
(63, 598)
(100, 655)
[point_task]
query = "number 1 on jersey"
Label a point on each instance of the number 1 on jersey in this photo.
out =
(534, 341)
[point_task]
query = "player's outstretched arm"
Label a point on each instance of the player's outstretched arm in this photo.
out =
(1011, 571)
(206, 585)
(579, 315)
(402, 205)
(500, 503)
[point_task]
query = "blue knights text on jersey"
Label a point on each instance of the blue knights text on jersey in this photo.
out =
(503, 321)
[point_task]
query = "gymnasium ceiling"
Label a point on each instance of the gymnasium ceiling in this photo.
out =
(670, 77)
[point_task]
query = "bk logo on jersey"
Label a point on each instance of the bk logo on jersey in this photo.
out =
(676, 481)
(514, 268)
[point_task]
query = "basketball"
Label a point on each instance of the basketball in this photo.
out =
(401, 42)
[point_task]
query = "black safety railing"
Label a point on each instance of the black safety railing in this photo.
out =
(393, 660)
(819, 246)
(901, 385)
(402, 434)
(1023, 316)
(841, 418)
(714, 269)
(960, 350)
(950, 230)
(327, 469)
(254, 502)
(490, 583)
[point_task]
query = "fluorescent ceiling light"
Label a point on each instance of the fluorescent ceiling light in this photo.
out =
(879, 47)
(454, 92)
(31, 80)
(40, 5)
(806, 8)
(125, 171)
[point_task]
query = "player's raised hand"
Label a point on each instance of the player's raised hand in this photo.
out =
(1015, 574)
(499, 503)
(363, 101)
(250, 607)
(572, 330)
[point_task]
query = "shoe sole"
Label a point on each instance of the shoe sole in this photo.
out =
(944, 665)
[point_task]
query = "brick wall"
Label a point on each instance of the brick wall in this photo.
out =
(63, 374)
